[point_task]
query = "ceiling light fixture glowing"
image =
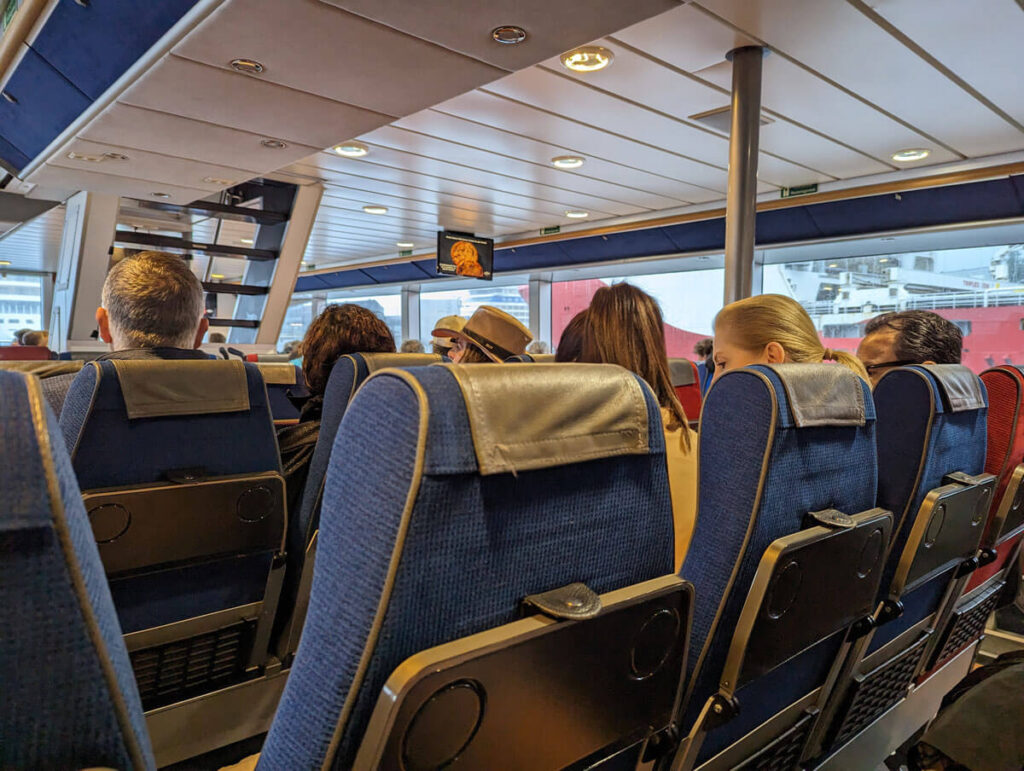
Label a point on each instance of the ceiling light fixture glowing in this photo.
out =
(508, 35)
(5, 262)
(834, 265)
(248, 66)
(567, 161)
(587, 59)
(218, 181)
(161, 195)
(375, 209)
(575, 214)
(351, 149)
(248, 241)
(910, 155)
(405, 245)
(216, 275)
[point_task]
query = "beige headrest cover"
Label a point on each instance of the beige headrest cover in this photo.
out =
(155, 389)
(43, 369)
(376, 361)
(277, 374)
(547, 415)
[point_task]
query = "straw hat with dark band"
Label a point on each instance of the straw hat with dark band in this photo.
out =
(448, 322)
(496, 333)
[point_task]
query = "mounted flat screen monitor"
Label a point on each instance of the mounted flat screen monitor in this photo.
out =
(463, 254)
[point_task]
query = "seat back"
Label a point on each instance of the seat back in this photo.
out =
(190, 443)
(776, 443)
(686, 382)
(537, 358)
(704, 376)
(25, 353)
(346, 377)
(70, 700)
(283, 380)
(463, 510)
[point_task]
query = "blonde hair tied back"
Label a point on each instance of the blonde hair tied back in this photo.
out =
(756, 321)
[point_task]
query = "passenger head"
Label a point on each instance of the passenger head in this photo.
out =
(490, 335)
(624, 326)
(538, 347)
(704, 348)
(216, 337)
(339, 330)
(152, 300)
(442, 346)
(19, 334)
(411, 346)
(908, 337)
(570, 345)
(771, 329)
(36, 338)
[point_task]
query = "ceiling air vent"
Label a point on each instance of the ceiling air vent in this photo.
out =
(720, 119)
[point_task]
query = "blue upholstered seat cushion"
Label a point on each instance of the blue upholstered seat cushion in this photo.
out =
(69, 697)
(759, 477)
(469, 550)
(109, 450)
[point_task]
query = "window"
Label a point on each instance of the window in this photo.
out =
(388, 308)
(980, 289)
(689, 301)
(297, 319)
(21, 305)
(462, 302)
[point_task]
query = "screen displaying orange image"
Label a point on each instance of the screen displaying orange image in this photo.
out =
(466, 260)
(465, 255)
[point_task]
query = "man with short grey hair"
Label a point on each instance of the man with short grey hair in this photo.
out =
(152, 308)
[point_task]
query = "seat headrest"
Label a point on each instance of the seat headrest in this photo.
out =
(552, 414)
(961, 389)
(154, 389)
(277, 374)
(43, 369)
(822, 394)
(377, 361)
(681, 372)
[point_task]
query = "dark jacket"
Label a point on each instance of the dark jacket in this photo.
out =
(297, 444)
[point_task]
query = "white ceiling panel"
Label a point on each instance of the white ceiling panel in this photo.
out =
(418, 166)
(227, 98)
(992, 69)
(169, 134)
(837, 40)
(150, 166)
(105, 183)
(313, 47)
(465, 25)
(672, 93)
(35, 246)
(436, 220)
(540, 170)
(508, 143)
(335, 196)
(526, 120)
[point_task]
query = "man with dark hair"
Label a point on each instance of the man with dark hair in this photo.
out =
(908, 337)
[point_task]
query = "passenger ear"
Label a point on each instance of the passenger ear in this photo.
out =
(775, 353)
(204, 324)
(103, 322)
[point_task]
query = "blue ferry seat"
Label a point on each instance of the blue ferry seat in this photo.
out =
(179, 471)
(782, 449)
(931, 461)
(443, 510)
(69, 698)
(283, 380)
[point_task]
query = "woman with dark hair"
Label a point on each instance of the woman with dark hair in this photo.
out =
(339, 330)
(570, 344)
(624, 326)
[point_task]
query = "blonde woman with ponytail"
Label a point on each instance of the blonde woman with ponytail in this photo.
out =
(771, 329)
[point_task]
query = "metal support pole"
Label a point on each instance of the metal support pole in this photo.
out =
(540, 307)
(410, 313)
(743, 147)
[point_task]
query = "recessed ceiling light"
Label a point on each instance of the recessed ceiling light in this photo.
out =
(248, 66)
(274, 144)
(834, 265)
(375, 209)
(216, 275)
(587, 59)
(351, 149)
(96, 157)
(218, 181)
(161, 195)
(508, 35)
(912, 154)
(246, 241)
(5, 262)
(575, 214)
(567, 161)
(405, 244)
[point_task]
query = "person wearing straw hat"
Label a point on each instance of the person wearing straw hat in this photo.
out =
(490, 335)
(442, 346)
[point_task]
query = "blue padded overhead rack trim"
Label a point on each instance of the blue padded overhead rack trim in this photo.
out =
(46, 104)
(974, 201)
(93, 45)
(11, 156)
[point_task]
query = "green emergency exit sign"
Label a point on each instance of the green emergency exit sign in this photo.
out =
(551, 230)
(405, 253)
(792, 192)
